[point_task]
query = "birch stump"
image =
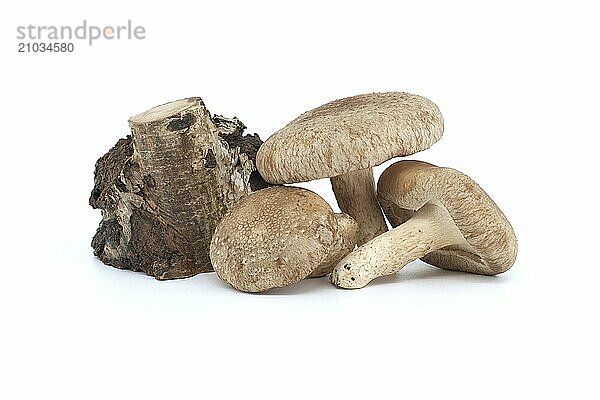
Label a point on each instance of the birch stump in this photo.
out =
(163, 190)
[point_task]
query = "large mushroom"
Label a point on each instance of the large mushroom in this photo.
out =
(439, 215)
(343, 140)
(278, 236)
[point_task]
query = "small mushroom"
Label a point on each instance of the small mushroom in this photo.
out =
(456, 226)
(343, 140)
(278, 236)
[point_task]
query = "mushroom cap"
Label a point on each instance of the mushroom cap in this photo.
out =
(406, 186)
(350, 134)
(273, 238)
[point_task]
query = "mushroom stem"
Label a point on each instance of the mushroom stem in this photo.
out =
(355, 194)
(431, 228)
(344, 241)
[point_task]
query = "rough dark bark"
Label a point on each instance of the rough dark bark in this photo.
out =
(163, 189)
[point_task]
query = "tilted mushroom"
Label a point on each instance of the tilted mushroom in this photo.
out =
(343, 140)
(456, 226)
(278, 236)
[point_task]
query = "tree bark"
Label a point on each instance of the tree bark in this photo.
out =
(163, 190)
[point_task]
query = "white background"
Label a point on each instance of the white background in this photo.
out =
(518, 86)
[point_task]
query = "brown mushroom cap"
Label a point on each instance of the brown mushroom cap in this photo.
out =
(406, 186)
(273, 238)
(350, 134)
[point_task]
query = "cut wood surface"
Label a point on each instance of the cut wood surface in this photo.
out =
(163, 189)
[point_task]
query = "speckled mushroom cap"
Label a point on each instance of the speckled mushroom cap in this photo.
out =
(406, 186)
(350, 134)
(273, 238)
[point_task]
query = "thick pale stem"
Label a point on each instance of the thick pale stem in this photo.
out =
(345, 240)
(356, 196)
(430, 229)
